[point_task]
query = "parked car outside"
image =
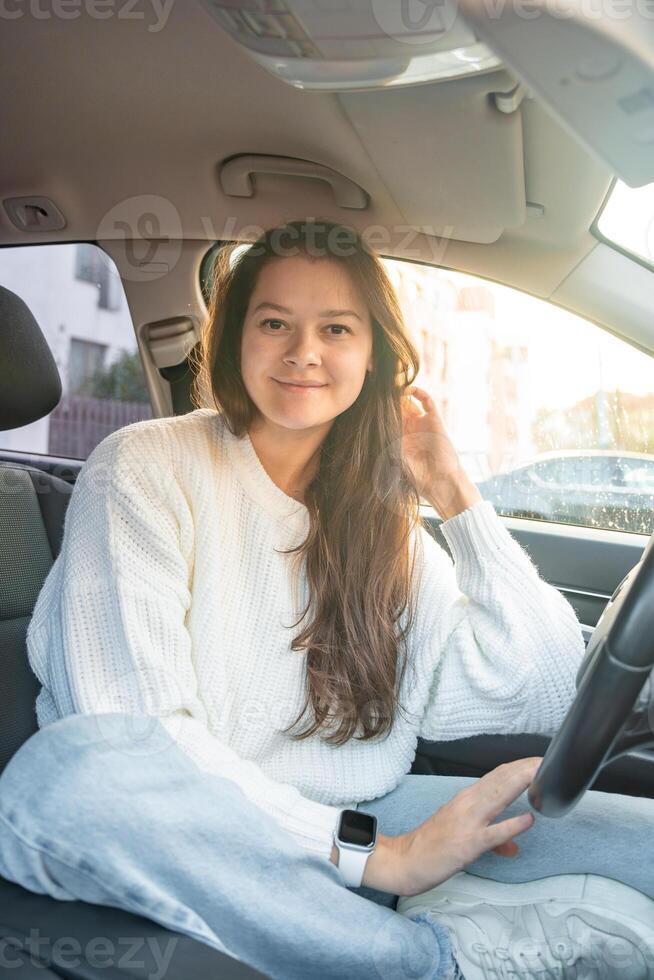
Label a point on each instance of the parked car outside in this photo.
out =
(594, 488)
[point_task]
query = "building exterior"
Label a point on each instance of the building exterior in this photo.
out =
(77, 298)
(467, 363)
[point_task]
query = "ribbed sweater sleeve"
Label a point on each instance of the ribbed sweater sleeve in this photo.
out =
(109, 634)
(506, 644)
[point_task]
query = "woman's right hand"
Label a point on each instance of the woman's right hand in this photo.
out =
(461, 830)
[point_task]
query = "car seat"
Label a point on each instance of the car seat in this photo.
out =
(32, 511)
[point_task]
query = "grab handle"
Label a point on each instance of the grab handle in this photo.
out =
(236, 177)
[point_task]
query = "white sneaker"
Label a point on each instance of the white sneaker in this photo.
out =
(563, 927)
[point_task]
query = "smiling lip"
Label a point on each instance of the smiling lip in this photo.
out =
(297, 387)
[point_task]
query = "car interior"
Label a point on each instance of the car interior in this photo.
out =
(490, 146)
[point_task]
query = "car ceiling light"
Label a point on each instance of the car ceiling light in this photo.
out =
(366, 44)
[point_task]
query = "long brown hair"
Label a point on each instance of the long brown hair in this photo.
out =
(363, 505)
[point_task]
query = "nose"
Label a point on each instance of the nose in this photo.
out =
(302, 350)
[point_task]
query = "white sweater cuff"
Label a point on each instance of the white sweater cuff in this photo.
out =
(477, 532)
(311, 824)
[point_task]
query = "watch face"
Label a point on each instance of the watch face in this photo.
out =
(357, 828)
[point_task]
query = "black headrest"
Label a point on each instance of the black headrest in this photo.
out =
(30, 386)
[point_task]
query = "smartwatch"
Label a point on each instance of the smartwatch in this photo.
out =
(355, 837)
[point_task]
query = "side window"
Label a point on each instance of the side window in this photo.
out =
(76, 296)
(599, 472)
(552, 417)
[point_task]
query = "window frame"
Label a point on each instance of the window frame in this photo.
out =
(601, 237)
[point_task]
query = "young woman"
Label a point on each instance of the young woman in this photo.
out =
(172, 775)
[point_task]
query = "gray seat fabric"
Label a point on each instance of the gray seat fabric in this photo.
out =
(32, 511)
(29, 918)
(32, 508)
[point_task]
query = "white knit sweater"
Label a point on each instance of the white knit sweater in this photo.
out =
(168, 599)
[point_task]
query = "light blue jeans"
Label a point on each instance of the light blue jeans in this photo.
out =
(108, 809)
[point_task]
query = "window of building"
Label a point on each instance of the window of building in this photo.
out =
(85, 358)
(92, 265)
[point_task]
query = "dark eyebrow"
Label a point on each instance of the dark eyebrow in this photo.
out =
(284, 309)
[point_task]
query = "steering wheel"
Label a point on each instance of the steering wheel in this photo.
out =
(613, 710)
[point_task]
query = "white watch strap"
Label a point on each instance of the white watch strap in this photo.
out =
(351, 864)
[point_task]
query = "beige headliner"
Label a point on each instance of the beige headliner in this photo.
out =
(98, 112)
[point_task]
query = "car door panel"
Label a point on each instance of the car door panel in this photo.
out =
(586, 564)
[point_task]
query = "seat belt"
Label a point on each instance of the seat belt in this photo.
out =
(180, 378)
(171, 344)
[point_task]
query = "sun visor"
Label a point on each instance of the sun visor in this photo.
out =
(451, 160)
(592, 68)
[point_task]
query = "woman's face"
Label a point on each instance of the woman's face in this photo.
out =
(305, 322)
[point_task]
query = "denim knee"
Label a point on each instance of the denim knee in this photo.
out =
(75, 757)
(103, 770)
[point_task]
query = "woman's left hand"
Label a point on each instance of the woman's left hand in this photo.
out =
(431, 457)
